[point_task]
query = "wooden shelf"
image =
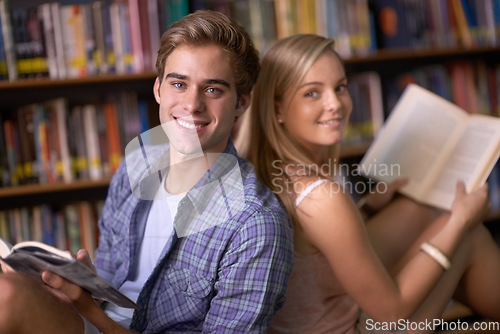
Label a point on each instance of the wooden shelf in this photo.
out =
(401, 54)
(97, 79)
(35, 189)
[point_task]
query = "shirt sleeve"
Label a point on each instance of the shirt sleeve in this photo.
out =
(103, 256)
(252, 278)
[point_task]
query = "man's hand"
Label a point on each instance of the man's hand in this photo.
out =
(69, 292)
(5, 267)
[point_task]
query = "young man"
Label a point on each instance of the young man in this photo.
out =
(216, 254)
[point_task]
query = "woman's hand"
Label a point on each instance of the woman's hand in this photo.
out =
(472, 207)
(378, 200)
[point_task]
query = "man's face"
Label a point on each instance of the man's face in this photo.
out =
(198, 100)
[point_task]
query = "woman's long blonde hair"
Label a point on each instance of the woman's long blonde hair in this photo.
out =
(262, 139)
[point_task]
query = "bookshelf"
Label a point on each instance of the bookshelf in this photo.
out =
(363, 50)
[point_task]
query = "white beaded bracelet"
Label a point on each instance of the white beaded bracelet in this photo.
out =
(436, 254)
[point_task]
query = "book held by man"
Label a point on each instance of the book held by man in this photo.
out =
(33, 257)
(434, 144)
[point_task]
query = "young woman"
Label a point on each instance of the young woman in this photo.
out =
(400, 268)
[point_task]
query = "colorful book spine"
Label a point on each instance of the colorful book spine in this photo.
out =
(47, 22)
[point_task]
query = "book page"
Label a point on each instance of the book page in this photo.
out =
(414, 141)
(34, 245)
(471, 160)
(4, 248)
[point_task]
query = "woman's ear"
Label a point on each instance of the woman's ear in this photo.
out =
(156, 90)
(279, 115)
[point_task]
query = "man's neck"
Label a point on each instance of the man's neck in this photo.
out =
(186, 171)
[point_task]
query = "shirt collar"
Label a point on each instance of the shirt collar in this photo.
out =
(220, 184)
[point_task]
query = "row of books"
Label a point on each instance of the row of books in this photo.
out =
(472, 85)
(437, 23)
(52, 142)
(368, 111)
(363, 26)
(87, 37)
(80, 38)
(69, 227)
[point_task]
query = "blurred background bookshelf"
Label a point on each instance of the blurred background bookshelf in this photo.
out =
(76, 78)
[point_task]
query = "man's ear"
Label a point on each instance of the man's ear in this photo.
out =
(243, 104)
(156, 90)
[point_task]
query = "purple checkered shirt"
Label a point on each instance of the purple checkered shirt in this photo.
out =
(228, 278)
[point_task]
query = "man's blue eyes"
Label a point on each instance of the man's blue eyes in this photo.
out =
(211, 90)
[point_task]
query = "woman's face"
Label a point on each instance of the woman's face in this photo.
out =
(316, 115)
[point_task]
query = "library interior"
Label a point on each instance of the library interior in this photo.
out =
(76, 82)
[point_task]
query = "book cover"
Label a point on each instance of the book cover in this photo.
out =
(89, 40)
(100, 51)
(284, 21)
(136, 35)
(25, 122)
(45, 15)
(3, 60)
(126, 36)
(78, 144)
(5, 226)
(59, 40)
(155, 30)
(41, 126)
(177, 9)
(58, 110)
(391, 19)
(4, 166)
(48, 235)
(114, 148)
(145, 36)
(104, 36)
(36, 223)
(72, 24)
(464, 33)
(90, 132)
(13, 160)
(24, 66)
(8, 40)
(37, 49)
(116, 33)
(87, 227)
(102, 134)
(73, 227)
(32, 258)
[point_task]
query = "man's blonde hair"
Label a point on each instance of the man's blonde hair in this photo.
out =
(207, 27)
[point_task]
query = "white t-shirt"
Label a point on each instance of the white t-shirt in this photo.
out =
(159, 227)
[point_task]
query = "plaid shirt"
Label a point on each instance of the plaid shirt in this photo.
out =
(215, 275)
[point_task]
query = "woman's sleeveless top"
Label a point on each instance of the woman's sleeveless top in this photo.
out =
(315, 301)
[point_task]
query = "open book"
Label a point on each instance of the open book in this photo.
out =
(433, 143)
(33, 257)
